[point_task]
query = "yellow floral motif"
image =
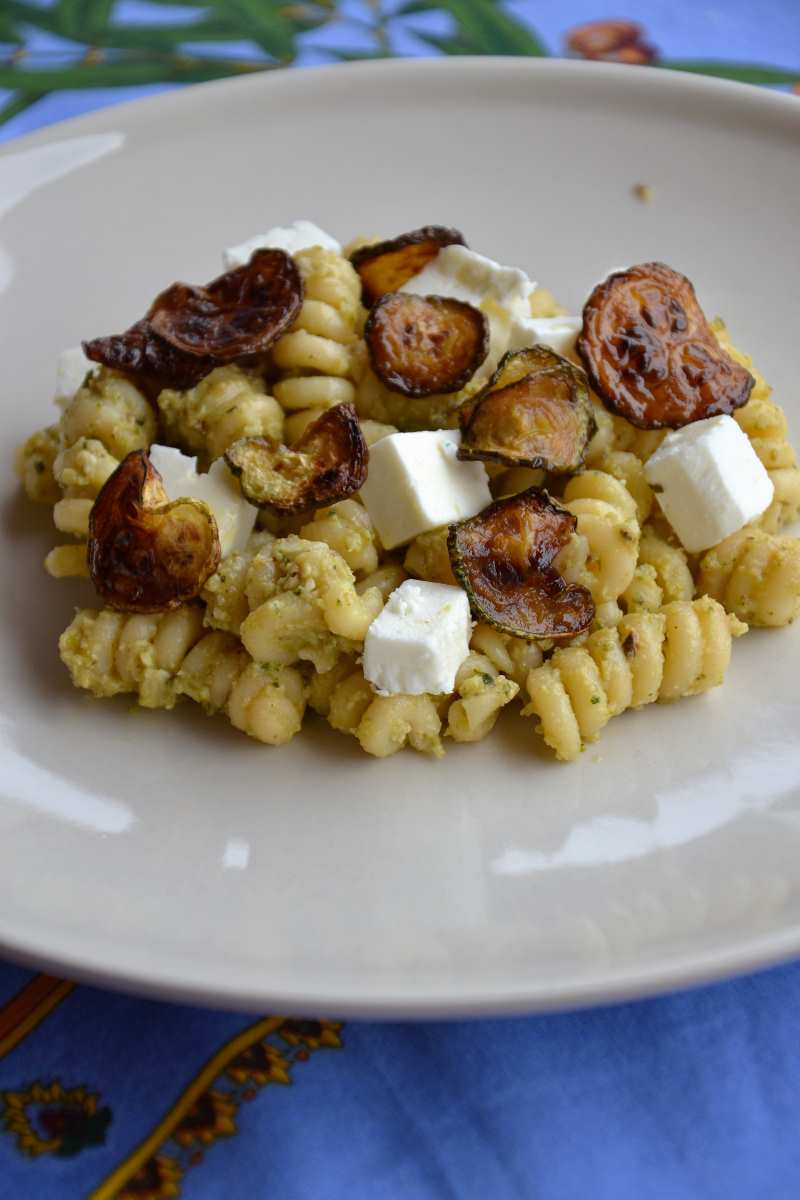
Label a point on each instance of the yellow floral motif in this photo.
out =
(49, 1119)
(312, 1034)
(210, 1117)
(158, 1179)
(259, 1064)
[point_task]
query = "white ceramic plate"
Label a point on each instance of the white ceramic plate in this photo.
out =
(167, 853)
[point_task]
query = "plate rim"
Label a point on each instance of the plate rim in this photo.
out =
(250, 990)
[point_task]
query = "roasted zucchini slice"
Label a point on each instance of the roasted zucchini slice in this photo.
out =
(503, 559)
(237, 315)
(651, 355)
(146, 553)
(150, 361)
(327, 464)
(385, 266)
(425, 345)
(534, 412)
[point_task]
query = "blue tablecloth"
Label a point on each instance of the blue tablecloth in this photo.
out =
(689, 1097)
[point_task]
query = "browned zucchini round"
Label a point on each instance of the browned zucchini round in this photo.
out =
(530, 415)
(650, 353)
(386, 266)
(238, 314)
(150, 361)
(425, 345)
(503, 559)
(147, 554)
(327, 464)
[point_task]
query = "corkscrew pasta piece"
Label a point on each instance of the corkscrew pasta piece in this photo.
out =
(682, 650)
(164, 656)
(383, 725)
(228, 404)
(110, 410)
(106, 419)
(755, 575)
(607, 521)
(386, 578)
(34, 465)
(644, 592)
(309, 608)
(82, 468)
(321, 355)
(670, 564)
(629, 470)
(346, 527)
(226, 591)
(482, 693)
(513, 656)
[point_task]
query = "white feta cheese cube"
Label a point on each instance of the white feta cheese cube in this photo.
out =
(218, 489)
(300, 235)
(73, 367)
(709, 481)
(559, 333)
(465, 275)
(419, 640)
(416, 483)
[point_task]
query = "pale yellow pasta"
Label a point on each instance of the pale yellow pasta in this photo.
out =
(161, 657)
(67, 562)
(314, 612)
(82, 468)
(298, 422)
(228, 404)
(72, 516)
(105, 420)
(225, 593)
(34, 465)
(644, 592)
(385, 578)
(629, 470)
(682, 650)
(755, 575)
(427, 557)
(373, 431)
(670, 564)
(606, 514)
(515, 479)
(348, 702)
(482, 692)
(392, 722)
(108, 409)
(322, 356)
(346, 527)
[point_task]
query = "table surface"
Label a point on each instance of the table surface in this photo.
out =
(685, 1097)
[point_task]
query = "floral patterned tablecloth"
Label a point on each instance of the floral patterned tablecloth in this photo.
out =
(691, 1097)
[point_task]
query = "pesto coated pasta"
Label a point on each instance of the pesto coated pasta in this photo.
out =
(681, 650)
(287, 618)
(165, 656)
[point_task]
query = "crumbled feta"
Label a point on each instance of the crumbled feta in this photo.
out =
(709, 481)
(416, 483)
(465, 275)
(419, 639)
(218, 489)
(559, 333)
(73, 367)
(300, 235)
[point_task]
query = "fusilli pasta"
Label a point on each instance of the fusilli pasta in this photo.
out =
(228, 404)
(680, 651)
(165, 656)
(755, 575)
